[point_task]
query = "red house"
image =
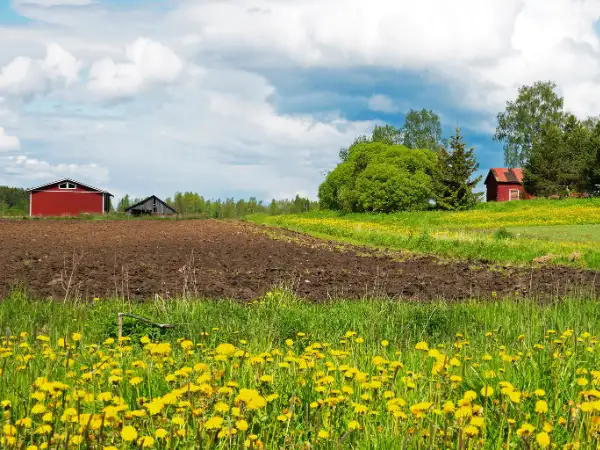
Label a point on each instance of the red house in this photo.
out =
(504, 185)
(67, 197)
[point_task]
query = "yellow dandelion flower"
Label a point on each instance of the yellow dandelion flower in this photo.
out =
(241, 425)
(146, 442)
(129, 433)
(487, 391)
(541, 407)
(214, 423)
(543, 439)
(323, 434)
(161, 433)
(471, 431)
(225, 349)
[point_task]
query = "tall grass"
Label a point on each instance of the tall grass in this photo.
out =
(283, 373)
(474, 234)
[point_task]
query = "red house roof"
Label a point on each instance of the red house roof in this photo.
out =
(62, 180)
(504, 175)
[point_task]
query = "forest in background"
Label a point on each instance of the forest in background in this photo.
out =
(15, 202)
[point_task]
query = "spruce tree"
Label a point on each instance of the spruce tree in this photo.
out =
(456, 167)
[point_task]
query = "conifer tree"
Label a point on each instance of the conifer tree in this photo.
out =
(456, 167)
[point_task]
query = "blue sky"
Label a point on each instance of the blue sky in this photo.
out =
(255, 97)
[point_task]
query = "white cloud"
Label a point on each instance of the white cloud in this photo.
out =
(8, 142)
(26, 76)
(25, 168)
(216, 128)
(150, 63)
(382, 103)
(481, 50)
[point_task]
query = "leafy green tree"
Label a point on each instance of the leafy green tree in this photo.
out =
(523, 120)
(387, 134)
(381, 178)
(422, 129)
(456, 168)
(591, 173)
(560, 159)
(124, 203)
(344, 152)
(273, 208)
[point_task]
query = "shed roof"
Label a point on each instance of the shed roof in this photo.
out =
(148, 198)
(62, 180)
(505, 175)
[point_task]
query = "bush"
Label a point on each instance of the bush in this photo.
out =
(377, 177)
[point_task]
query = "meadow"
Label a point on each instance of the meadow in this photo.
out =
(564, 232)
(284, 373)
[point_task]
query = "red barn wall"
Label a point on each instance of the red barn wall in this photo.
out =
(52, 201)
(503, 191)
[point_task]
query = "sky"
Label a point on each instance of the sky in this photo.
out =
(256, 97)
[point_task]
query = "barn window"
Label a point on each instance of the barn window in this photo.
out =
(513, 194)
(66, 186)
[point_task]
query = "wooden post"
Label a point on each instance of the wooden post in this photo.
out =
(120, 324)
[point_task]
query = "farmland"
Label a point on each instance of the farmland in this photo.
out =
(140, 259)
(279, 339)
(565, 232)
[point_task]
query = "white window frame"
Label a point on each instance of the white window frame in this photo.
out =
(68, 185)
(510, 191)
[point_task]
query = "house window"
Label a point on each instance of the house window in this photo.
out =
(513, 194)
(66, 186)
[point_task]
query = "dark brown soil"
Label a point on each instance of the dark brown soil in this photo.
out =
(140, 259)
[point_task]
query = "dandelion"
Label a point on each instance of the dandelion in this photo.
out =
(241, 425)
(543, 439)
(161, 433)
(487, 391)
(146, 442)
(129, 433)
(214, 423)
(323, 434)
(541, 407)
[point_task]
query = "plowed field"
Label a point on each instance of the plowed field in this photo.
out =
(140, 259)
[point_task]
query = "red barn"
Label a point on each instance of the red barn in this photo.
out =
(67, 197)
(504, 185)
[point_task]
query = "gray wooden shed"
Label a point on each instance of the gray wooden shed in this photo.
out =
(151, 206)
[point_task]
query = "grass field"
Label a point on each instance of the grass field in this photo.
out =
(566, 232)
(282, 373)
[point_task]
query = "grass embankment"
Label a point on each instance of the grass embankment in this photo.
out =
(280, 373)
(568, 231)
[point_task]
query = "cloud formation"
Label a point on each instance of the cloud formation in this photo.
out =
(190, 92)
(8, 142)
(25, 76)
(149, 63)
(32, 169)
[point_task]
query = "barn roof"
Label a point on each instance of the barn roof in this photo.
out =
(62, 180)
(148, 198)
(504, 175)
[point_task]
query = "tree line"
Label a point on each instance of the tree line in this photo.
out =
(194, 204)
(559, 153)
(413, 167)
(13, 201)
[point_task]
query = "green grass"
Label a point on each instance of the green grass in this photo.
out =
(280, 315)
(369, 346)
(510, 232)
